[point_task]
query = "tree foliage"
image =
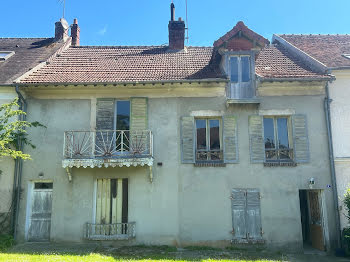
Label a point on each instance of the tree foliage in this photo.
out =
(13, 131)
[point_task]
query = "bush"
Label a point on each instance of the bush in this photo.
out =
(6, 241)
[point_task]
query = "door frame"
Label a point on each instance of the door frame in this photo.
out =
(323, 212)
(30, 189)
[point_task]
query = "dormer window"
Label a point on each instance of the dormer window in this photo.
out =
(240, 69)
(6, 55)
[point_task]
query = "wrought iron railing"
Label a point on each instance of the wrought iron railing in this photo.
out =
(279, 155)
(108, 144)
(209, 156)
(117, 231)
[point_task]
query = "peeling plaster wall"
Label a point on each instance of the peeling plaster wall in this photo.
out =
(340, 117)
(185, 205)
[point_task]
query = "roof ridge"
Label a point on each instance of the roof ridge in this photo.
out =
(313, 34)
(26, 37)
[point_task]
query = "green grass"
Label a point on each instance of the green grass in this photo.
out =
(95, 257)
(141, 253)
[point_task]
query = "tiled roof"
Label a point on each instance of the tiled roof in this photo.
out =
(327, 49)
(274, 61)
(29, 52)
(241, 27)
(89, 64)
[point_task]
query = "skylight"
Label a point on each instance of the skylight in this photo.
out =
(346, 56)
(6, 55)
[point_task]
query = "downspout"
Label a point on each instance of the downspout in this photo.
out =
(18, 168)
(327, 102)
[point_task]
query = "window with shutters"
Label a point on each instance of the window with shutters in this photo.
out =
(246, 215)
(278, 139)
(111, 212)
(208, 140)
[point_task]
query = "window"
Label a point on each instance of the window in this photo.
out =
(240, 73)
(6, 55)
(112, 201)
(240, 69)
(122, 123)
(277, 139)
(208, 140)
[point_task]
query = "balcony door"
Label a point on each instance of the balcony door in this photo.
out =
(122, 125)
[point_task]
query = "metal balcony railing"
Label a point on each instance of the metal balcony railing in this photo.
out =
(102, 144)
(117, 231)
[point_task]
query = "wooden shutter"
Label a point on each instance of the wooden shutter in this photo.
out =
(239, 213)
(187, 139)
(139, 119)
(256, 139)
(230, 140)
(300, 138)
(253, 214)
(105, 114)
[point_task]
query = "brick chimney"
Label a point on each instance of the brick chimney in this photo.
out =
(176, 31)
(75, 33)
(61, 30)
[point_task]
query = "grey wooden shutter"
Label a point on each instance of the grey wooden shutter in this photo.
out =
(187, 139)
(104, 121)
(300, 138)
(230, 139)
(239, 213)
(139, 120)
(105, 114)
(256, 139)
(254, 229)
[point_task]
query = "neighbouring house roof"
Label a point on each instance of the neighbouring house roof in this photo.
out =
(241, 27)
(327, 49)
(275, 61)
(112, 64)
(28, 53)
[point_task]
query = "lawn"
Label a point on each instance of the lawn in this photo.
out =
(85, 252)
(47, 252)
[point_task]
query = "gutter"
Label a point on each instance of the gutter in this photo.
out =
(209, 80)
(327, 102)
(18, 170)
(290, 79)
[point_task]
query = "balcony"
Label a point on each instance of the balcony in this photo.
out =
(241, 93)
(105, 148)
(117, 231)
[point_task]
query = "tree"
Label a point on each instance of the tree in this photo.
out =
(13, 131)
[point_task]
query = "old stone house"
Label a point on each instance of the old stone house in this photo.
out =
(330, 53)
(178, 145)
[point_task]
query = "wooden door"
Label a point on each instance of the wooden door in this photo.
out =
(316, 224)
(40, 219)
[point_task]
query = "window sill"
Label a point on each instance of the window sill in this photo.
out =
(247, 241)
(273, 164)
(209, 164)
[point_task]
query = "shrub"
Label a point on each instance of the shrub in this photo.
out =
(6, 241)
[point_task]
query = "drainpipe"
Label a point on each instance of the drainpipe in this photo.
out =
(327, 102)
(18, 169)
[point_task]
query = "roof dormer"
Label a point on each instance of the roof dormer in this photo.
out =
(238, 48)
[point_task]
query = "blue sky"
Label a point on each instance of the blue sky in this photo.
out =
(131, 22)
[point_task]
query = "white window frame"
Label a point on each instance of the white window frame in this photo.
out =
(290, 138)
(207, 135)
(239, 62)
